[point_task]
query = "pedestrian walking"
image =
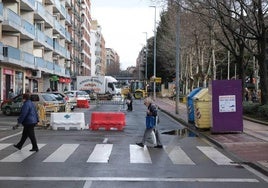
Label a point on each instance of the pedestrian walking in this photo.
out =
(129, 101)
(28, 119)
(151, 122)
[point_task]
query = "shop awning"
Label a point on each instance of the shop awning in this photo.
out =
(54, 78)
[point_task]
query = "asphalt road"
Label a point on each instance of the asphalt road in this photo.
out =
(89, 159)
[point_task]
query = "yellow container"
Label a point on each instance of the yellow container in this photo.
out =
(202, 109)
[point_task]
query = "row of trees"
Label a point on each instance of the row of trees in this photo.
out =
(215, 37)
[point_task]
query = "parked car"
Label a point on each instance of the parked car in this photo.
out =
(64, 101)
(77, 94)
(13, 106)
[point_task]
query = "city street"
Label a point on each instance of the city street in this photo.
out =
(96, 159)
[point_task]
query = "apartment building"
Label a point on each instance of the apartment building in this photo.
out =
(34, 42)
(112, 62)
(97, 46)
(43, 44)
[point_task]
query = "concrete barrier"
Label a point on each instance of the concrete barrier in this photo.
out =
(67, 121)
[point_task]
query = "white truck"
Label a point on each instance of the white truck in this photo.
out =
(102, 85)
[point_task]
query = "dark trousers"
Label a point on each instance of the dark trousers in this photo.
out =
(28, 131)
(129, 106)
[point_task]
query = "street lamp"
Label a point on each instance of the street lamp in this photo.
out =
(146, 49)
(154, 49)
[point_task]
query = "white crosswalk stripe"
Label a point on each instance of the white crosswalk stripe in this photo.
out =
(102, 153)
(139, 155)
(62, 153)
(3, 146)
(215, 155)
(22, 154)
(178, 156)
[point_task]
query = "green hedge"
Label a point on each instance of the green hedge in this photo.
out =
(255, 110)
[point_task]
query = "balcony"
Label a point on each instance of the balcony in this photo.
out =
(59, 28)
(42, 14)
(11, 21)
(68, 3)
(1, 12)
(1, 51)
(27, 5)
(12, 55)
(43, 40)
(28, 30)
(28, 60)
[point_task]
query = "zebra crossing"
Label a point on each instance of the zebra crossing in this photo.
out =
(101, 153)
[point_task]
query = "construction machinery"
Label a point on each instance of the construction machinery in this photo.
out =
(139, 88)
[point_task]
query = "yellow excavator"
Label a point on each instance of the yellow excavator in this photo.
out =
(139, 88)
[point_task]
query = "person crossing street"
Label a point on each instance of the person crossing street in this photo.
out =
(28, 119)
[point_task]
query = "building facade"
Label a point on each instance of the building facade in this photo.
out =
(98, 50)
(112, 62)
(43, 44)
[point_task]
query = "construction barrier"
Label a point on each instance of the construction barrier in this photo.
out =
(67, 121)
(82, 103)
(108, 120)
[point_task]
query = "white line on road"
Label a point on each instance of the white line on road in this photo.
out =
(3, 146)
(7, 137)
(87, 184)
(20, 155)
(139, 154)
(215, 155)
(178, 156)
(105, 140)
(62, 153)
(101, 153)
(135, 179)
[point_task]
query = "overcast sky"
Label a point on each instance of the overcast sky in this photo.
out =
(124, 23)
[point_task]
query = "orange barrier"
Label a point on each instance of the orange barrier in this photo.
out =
(82, 103)
(108, 120)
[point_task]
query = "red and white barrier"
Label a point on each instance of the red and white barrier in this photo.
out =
(108, 120)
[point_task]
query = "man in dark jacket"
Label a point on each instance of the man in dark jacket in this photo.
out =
(28, 118)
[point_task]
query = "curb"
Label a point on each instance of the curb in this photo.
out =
(193, 129)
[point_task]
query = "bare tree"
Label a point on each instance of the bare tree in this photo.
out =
(238, 25)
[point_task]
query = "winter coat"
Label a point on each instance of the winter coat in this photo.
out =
(28, 115)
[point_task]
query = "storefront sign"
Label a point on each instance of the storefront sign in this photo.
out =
(8, 71)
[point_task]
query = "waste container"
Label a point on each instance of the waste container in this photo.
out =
(202, 109)
(190, 104)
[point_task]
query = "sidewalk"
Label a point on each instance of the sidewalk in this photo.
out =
(249, 147)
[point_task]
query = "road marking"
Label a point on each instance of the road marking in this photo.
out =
(7, 137)
(105, 140)
(62, 153)
(3, 146)
(139, 154)
(126, 179)
(215, 155)
(87, 184)
(22, 154)
(178, 156)
(101, 153)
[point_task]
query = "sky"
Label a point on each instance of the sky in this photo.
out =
(124, 26)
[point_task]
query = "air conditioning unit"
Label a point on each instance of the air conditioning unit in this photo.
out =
(36, 74)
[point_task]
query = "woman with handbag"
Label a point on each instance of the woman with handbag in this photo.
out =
(151, 117)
